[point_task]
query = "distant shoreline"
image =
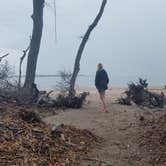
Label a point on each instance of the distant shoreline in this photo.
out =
(49, 75)
(49, 81)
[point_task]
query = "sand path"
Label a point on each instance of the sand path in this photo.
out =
(119, 129)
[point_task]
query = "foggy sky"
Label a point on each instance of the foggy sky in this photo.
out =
(129, 40)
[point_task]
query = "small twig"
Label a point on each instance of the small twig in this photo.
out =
(19, 132)
(108, 163)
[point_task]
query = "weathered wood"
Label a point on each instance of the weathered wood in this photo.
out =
(20, 65)
(37, 18)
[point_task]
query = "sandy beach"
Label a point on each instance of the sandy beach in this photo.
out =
(121, 128)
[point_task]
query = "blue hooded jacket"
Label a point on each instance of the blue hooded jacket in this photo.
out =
(101, 80)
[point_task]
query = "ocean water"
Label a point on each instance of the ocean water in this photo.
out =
(88, 81)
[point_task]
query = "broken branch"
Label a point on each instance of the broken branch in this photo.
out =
(3, 56)
(21, 61)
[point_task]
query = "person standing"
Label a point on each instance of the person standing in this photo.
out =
(101, 83)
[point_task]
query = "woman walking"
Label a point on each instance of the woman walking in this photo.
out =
(101, 83)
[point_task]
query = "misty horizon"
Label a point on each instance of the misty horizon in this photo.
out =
(129, 40)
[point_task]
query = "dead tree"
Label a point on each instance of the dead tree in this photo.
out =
(20, 65)
(37, 18)
(81, 48)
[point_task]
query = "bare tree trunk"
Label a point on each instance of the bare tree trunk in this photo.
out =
(37, 17)
(20, 65)
(82, 46)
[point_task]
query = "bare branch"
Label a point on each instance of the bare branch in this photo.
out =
(64, 84)
(3, 56)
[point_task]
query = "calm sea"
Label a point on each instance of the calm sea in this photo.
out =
(88, 81)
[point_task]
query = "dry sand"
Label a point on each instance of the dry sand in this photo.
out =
(120, 128)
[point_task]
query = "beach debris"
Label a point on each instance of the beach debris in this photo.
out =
(11, 93)
(139, 94)
(26, 140)
(42, 98)
(125, 100)
(100, 162)
(63, 101)
(71, 101)
(141, 118)
(29, 116)
(153, 141)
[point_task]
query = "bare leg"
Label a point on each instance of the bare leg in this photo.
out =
(102, 97)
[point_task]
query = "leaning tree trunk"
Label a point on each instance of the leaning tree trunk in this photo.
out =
(81, 48)
(37, 17)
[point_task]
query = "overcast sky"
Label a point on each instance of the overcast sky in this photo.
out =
(129, 40)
